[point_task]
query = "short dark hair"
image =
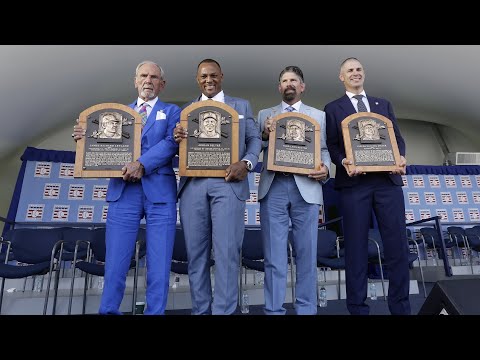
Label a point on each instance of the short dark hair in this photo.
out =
(209, 61)
(294, 69)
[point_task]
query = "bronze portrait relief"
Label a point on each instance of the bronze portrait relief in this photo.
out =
(368, 131)
(110, 127)
(209, 126)
(294, 144)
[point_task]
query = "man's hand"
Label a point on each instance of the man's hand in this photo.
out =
(401, 168)
(236, 172)
(78, 132)
(269, 127)
(350, 168)
(321, 174)
(133, 171)
(179, 133)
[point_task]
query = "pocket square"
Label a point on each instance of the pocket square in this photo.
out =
(160, 115)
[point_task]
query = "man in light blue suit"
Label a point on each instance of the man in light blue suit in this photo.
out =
(288, 197)
(148, 189)
(212, 209)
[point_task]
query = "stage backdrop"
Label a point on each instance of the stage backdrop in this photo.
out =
(47, 194)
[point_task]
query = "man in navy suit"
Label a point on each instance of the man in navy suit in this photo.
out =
(290, 197)
(212, 209)
(360, 193)
(148, 189)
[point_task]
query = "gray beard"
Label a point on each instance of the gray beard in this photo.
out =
(150, 95)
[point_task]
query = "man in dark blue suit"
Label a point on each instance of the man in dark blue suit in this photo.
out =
(148, 189)
(212, 209)
(360, 193)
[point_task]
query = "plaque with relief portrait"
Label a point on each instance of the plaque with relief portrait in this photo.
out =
(370, 142)
(212, 142)
(294, 145)
(112, 139)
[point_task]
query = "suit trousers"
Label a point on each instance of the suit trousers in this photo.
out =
(212, 215)
(282, 204)
(375, 192)
(123, 221)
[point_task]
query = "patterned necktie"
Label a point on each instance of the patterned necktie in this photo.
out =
(360, 105)
(290, 109)
(143, 112)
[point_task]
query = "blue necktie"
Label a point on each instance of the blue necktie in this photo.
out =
(360, 105)
(290, 109)
(143, 112)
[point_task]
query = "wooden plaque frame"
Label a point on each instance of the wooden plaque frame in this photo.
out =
(199, 146)
(278, 138)
(357, 145)
(128, 140)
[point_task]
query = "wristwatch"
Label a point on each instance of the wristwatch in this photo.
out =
(249, 164)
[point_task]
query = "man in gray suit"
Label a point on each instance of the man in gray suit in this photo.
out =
(212, 209)
(287, 197)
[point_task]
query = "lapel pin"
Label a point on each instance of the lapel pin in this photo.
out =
(376, 103)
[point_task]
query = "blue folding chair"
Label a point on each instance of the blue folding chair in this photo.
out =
(328, 254)
(35, 254)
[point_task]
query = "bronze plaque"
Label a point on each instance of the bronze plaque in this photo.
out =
(370, 142)
(212, 142)
(112, 139)
(294, 145)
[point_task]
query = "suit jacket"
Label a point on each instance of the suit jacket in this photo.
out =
(249, 143)
(336, 111)
(310, 189)
(158, 149)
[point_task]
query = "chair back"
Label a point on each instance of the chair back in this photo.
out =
(374, 234)
(326, 244)
(252, 246)
(252, 250)
(473, 237)
(33, 246)
(430, 236)
(457, 234)
(72, 234)
(179, 248)
(98, 245)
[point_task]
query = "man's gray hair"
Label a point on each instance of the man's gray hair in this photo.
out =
(162, 73)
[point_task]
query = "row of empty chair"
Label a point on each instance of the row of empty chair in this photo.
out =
(41, 251)
(330, 255)
(454, 237)
(45, 249)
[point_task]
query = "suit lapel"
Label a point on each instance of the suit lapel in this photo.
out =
(277, 110)
(229, 101)
(347, 106)
(305, 110)
(153, 114)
